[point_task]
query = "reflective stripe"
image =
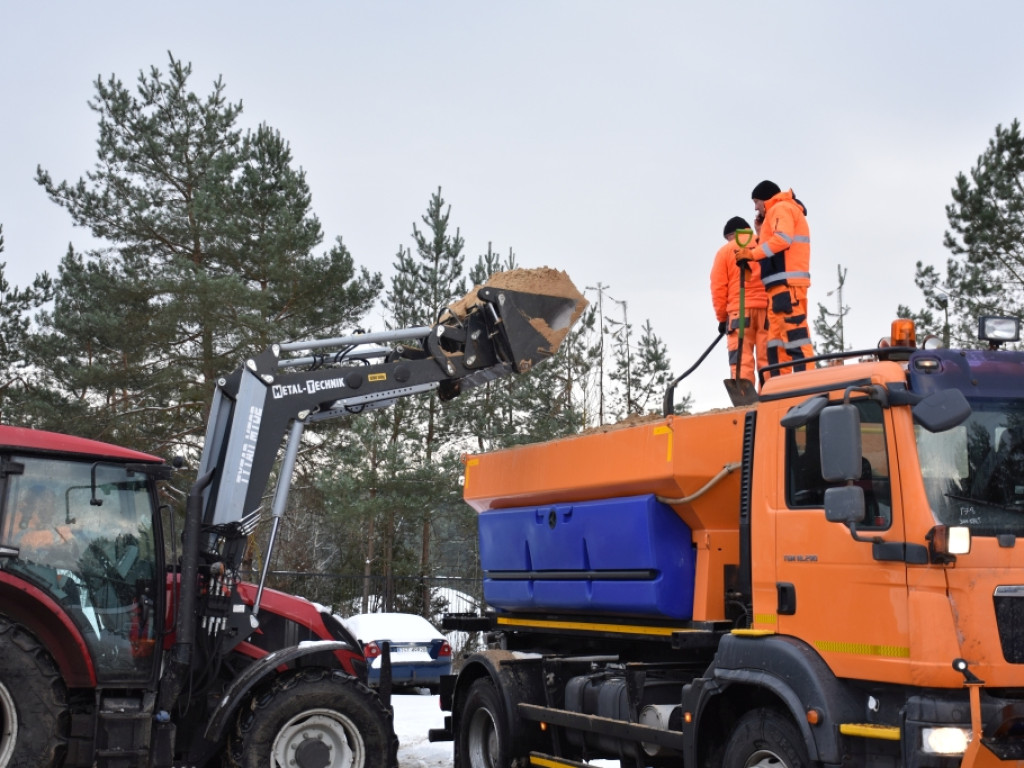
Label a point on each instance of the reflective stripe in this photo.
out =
(789, 240)
(789, 345)
(781, 277)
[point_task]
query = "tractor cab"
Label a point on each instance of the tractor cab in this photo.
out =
(81, 530)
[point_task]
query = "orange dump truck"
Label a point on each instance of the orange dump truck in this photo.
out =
(828, 576)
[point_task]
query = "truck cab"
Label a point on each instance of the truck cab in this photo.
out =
(923, 570)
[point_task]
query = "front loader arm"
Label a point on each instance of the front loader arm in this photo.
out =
(492, 333)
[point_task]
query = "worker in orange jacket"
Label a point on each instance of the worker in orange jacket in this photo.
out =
(783, 254)
(725, 297)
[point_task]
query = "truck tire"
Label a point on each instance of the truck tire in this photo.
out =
(315, 718)
(764, 738)
(33, 702)
(483, 731)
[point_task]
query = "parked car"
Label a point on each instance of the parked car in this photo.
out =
(420, 654)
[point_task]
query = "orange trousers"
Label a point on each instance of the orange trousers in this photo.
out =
(789, 340)
(755, 343)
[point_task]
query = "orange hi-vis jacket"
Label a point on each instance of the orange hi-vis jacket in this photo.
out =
(784, 250)
(725, 284)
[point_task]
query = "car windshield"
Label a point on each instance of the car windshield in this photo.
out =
(974, 473)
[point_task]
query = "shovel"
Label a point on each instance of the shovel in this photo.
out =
(741, 391)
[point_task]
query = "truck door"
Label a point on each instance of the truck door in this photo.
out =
(831, 590)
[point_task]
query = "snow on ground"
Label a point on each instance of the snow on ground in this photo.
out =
(414, 716)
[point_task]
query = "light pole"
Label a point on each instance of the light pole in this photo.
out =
(942, 300)
(944, 306)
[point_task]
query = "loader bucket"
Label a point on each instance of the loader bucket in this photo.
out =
(526, 312)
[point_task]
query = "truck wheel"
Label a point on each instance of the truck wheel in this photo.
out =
(33, 701)
(483, 732)
(315, 718)
(763, 738)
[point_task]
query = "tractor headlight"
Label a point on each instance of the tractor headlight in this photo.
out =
(947, 740)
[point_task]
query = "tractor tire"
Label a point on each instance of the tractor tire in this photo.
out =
(34, 715)
(765, 738)
(483, 737)
(315, 718)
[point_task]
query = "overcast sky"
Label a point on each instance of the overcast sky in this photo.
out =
(608, 139)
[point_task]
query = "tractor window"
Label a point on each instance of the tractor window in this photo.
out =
(92, 550)
(804, 484)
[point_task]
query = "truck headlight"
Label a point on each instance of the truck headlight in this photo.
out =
(948, 740)
(998, 329)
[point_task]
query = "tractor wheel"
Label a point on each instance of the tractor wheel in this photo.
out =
(483, 731)
(764, 738)
(33, 702)
(315, 718)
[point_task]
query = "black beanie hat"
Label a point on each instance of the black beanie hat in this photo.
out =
(766, 190)
(733, 224)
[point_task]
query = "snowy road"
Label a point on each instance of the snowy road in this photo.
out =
(414, 716)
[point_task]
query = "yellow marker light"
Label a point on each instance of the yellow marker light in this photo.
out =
(950, 740)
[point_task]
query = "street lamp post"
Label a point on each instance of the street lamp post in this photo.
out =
(944, 306)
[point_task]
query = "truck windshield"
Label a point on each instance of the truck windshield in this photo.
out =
(95, 555)
(974, 474)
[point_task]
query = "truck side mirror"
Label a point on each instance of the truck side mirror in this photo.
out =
(844, 504)
(839, 430)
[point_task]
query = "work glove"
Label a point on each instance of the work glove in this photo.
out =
(743, 256)
(721, 327)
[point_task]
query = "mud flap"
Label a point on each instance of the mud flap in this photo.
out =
(384, 689)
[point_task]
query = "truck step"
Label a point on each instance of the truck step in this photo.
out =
(550, 761)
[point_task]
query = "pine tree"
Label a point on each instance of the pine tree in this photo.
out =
(642, 371)
(16, 307)
(985, 273)
(425, 282)
(207, 256)
(638, 370)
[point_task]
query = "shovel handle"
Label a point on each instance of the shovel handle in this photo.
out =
(744, 237)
